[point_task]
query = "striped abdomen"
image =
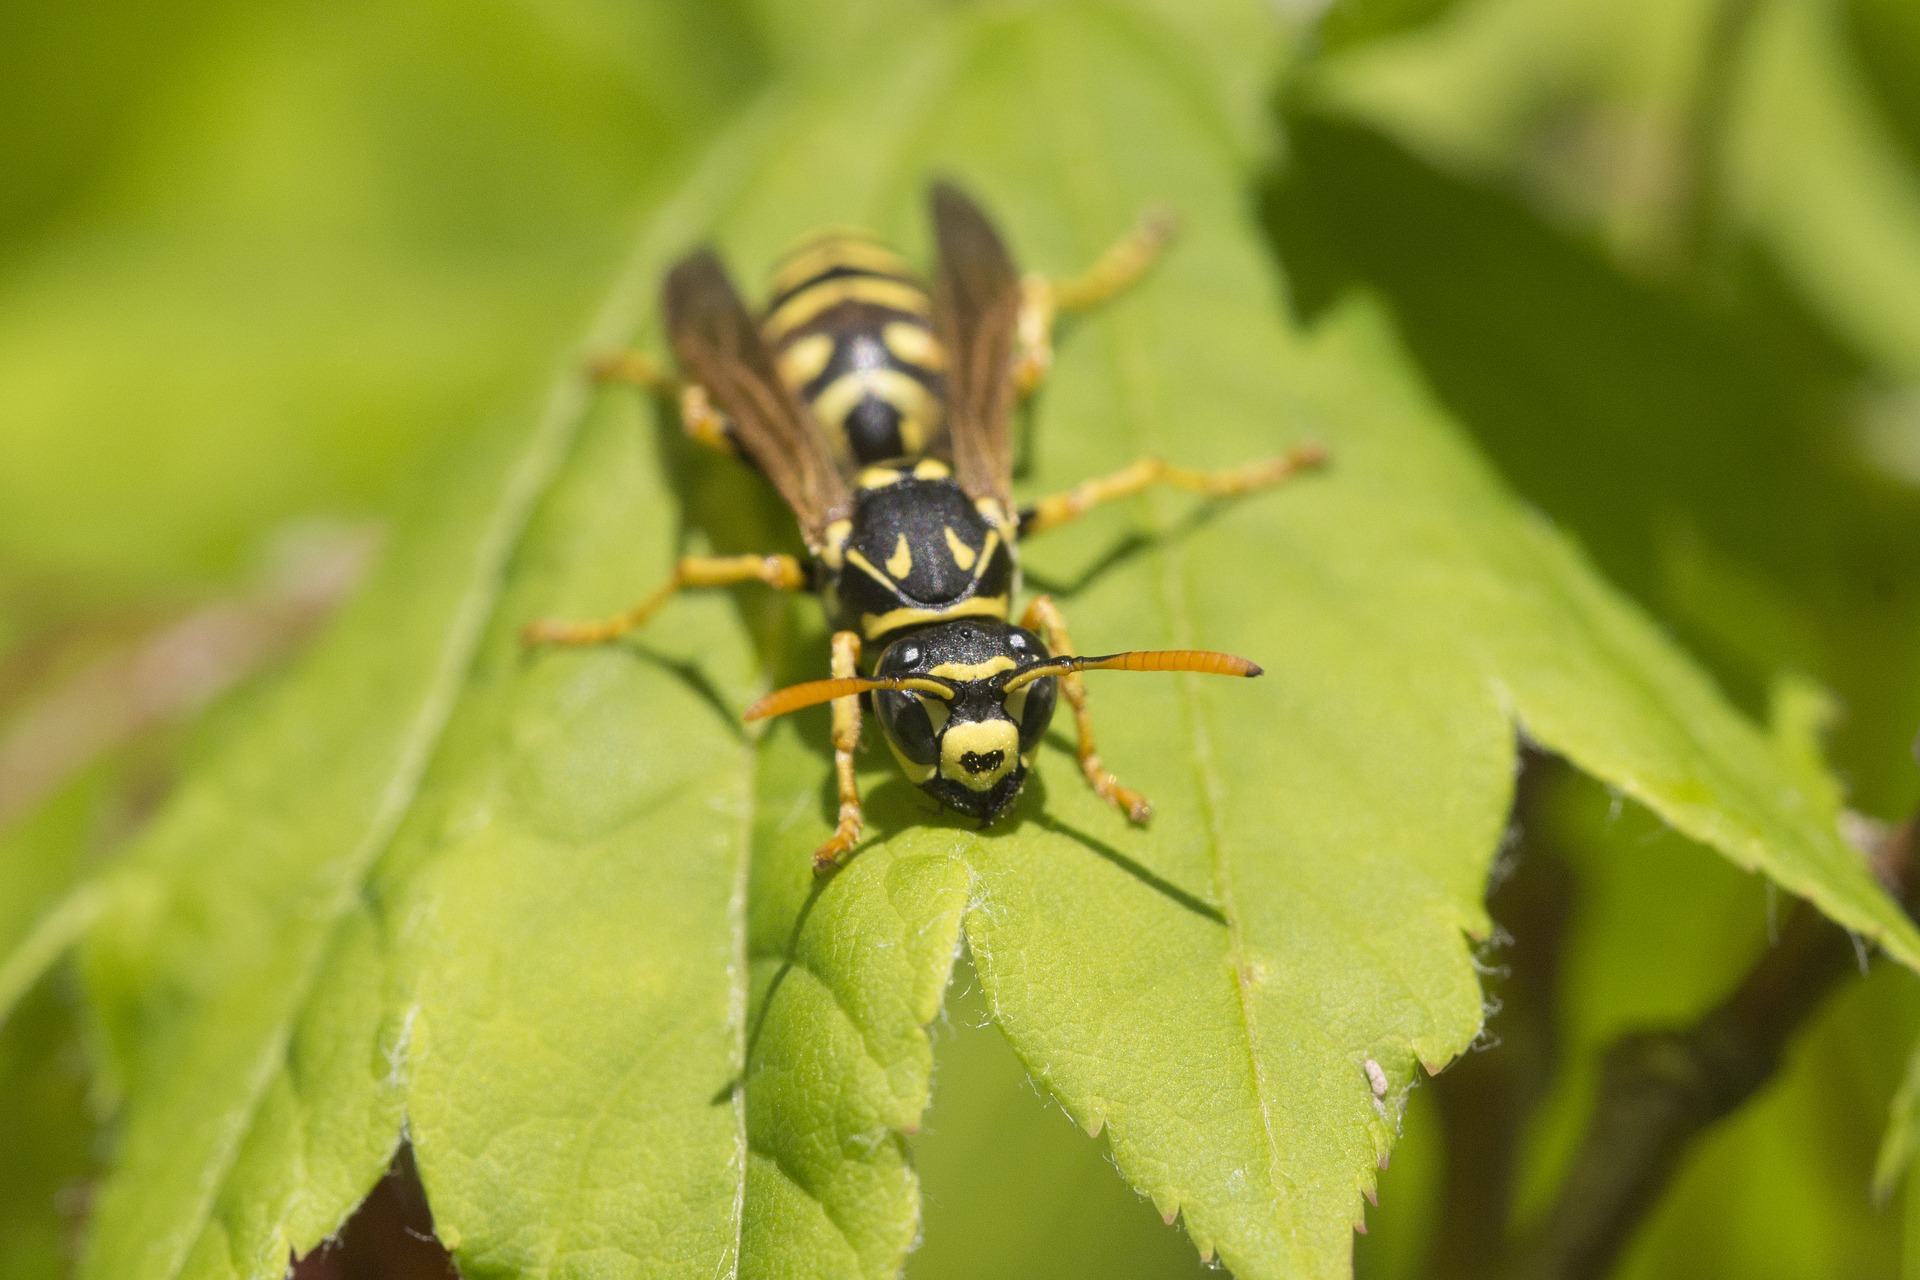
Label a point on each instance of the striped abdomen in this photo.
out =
(852, 333)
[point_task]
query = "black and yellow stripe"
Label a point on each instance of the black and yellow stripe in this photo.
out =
(851, 330)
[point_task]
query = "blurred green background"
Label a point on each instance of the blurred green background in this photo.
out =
(261, 265)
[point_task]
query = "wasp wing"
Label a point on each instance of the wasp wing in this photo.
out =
(976, 306)
(719, 347)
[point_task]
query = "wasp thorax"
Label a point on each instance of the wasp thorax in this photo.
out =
(969, 750)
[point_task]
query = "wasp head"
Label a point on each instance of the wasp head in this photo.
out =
(963, 704)
(965, 729)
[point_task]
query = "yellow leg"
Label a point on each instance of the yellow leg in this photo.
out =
(1061, 508)
(1043, 301)
(846, 737)
(782, 572)
(1043, 616)
(698, 417)
(636, 369)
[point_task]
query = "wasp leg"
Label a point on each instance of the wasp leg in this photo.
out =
(1062, 508)
(846, 736)
(782, 572)
(1043, 616)
(701, 421)
(1043, 301)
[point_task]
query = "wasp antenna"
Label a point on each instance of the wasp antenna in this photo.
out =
(1204, 661)
(798, 697)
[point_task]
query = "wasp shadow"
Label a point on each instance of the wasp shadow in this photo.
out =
(1146, 875)
(691, 675)
(891, 807)
(758, 1022)
(1130, 548)
(895, 806)
(1041, 816)
(898, 805)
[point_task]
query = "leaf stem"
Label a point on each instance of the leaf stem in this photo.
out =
(1661, 1088)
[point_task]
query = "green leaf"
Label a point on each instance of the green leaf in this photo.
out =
(1594, 107)
(1910, 1238)
(1886, 40)
(1819, 177)
(1631, 118)
(1354, 22)
(1802, 714)
(314, 252)
(1700, 455)
(47, 1144)
(1902, 1138)
(553, 912)
(1661, 933)
(1012, 1187)
(1693, 450)
(42, 855)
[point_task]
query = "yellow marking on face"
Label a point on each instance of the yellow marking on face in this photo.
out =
(916, 772)
(931, 469)
(833, 549)
(980, 738)
(896, 295)
(875, 625)
(963, 555)
(936, 710)
(915, 344)
(802, 362)
(865, 566)
(900, 563)
(824, 252)
(973, 670)
(1016, 704)
(878, 477)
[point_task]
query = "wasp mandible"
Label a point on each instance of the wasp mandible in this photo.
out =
(881, 413)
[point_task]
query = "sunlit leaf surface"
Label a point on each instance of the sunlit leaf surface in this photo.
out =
(1778, 139)
(552, 913)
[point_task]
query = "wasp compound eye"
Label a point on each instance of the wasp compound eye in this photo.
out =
(1031, 707)
(907, 721)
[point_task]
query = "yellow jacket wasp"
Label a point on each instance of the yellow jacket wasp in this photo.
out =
(881, 413)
